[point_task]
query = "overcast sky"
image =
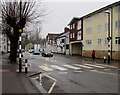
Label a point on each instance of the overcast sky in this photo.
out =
(60, 13)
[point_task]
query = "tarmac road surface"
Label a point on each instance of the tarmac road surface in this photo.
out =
(63, 74)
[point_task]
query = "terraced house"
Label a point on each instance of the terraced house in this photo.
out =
(95, 32)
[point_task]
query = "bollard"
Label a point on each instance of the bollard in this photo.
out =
(40, 78)
(104, 59)
(26, 66)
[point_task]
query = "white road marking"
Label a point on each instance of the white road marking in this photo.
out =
(82, 66)
(93, 70)
(63, 72)
(53, 85)
(45, 68)
(106, 65)
(106, 69)
(72, 67)
(58, 67)
(95, 66)
(103, 72)
(77, 71)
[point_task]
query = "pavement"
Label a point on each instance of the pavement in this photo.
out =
(14, 82)
(97, 60)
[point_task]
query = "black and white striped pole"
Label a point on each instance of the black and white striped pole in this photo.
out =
(26, 66)
(108, 38)
(108, 51)
(20, 52)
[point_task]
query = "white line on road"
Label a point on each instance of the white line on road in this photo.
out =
(63, 72)
(58, 67)
(72, 67)
(82, 66)
(53, 85)
(45, 68)
(106, 69)
(103, 72)
(106, 65)
(77, 71)
(95, 66)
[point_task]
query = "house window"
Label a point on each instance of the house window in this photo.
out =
(117, 9)
(88, 42)
(79, 35)
(73, 25)
(99, 28)
(63, 40)
(70, 26)
(88, 19)
(55, 42)
(106, 41)
(4, 47)
(73, 35)
(67, 46)
(88, 31)
(117, 40)
(117, 24)
(99, 14)
(99, 41)
(79, 25)
(106, 26)
(48, 38)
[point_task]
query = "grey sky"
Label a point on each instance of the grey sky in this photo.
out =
(61, 13)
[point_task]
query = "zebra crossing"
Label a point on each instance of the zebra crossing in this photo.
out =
(74, 67)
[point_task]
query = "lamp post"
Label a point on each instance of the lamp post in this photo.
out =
(108, 38)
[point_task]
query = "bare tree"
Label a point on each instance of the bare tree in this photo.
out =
(15, 15)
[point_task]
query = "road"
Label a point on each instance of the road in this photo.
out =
(67, 74)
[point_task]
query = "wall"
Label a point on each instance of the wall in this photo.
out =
(102, 49)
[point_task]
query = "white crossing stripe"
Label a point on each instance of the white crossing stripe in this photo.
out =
(106, 69)
(95, 66)
(72, 67)
(78, 71)
(106, 65)
(58, 67)
(82, 66)
(45, 68)
(63, 72)
(103, 72)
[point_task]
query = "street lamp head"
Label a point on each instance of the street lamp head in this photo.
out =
(107, 11)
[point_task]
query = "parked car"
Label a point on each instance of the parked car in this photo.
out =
(36, 52)
(47, 54)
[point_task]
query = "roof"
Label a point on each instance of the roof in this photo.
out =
(73, 19)
(52, 36)
(102, 9)
(97, 11)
